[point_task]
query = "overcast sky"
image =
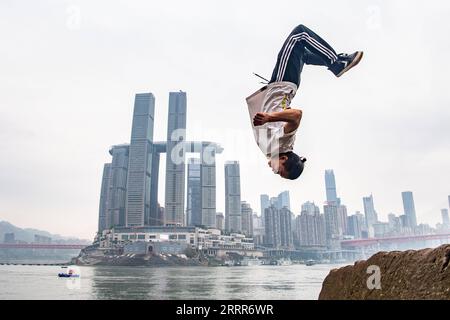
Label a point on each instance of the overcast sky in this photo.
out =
(69, 71)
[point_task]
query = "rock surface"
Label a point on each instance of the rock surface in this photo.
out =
(421, 274)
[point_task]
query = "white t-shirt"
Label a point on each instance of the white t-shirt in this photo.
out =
(270, 137)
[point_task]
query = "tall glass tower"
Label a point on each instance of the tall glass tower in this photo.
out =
(194, 196)
(118, 185)
(330, 186)
(139, 165)
(175, 159)
(369, 211)
(284, 200)
(409, 208)
(233, 220)
(104, 195)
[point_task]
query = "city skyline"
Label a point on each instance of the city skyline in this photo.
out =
(66, 101)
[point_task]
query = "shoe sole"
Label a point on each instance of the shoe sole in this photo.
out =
(355, 61)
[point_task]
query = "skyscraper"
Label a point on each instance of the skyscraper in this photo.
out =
(246, 218)
(354, 226)
(208, 183)
(274, 202)
(330, 186)
(310, 226)
(370, 213)
(220, 223)
(194, 198)
(233, 196)
(283, 200)
(286, 238)
(272, 237)
(445, 218)
(103, 206)
(409, 208)
(333, 222)
(118, 186)
(139, 165)
(342, 216)
(265, 203)
(258, 229)
(175, 159)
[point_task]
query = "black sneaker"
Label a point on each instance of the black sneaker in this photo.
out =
(345, 62)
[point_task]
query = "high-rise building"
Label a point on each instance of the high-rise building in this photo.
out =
(246, 218)
(103, 206)
(139, 165)
(220, 223)
(208, 183)
(334, 229)
(370, 213)
(380, 229)
(265, 203)
(283, 200)
(194, 196)
(175, 159)
(395, 224)
(409, 208)
(287, 241)
(274, 202)
(233, 221)
(258, 230)
(330, 186)
(354, 225)
(342, 216)
(272, 237)
(309, 227)
(445, 218)
(118, 186)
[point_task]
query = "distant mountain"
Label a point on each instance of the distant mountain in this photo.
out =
(27, 234)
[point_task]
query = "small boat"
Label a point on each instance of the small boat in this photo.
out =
(69, 274)
(66, 275)
(310, 262)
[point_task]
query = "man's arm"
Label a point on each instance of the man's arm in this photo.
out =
(292, 117)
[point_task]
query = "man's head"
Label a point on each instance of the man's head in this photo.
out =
(288, 165)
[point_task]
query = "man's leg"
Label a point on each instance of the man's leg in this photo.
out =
(305, 46)
(313, 59)
(290, 58)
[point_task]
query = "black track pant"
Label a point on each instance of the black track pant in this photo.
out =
(302, 46)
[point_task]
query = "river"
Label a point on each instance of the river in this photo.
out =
(252, 282)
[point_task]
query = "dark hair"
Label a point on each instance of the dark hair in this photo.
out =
(294, 165)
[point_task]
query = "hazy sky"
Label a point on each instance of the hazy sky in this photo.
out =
(69, 71)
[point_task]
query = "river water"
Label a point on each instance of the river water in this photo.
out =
(252, 282)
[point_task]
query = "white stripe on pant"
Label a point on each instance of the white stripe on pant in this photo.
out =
(290, 45)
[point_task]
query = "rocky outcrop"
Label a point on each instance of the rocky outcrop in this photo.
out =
(422, 274)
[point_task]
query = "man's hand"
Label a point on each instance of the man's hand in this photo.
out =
(261, 118)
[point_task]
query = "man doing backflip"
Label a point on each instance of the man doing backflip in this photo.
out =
(274, 122)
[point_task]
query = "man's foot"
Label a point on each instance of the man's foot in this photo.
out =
(345, 62)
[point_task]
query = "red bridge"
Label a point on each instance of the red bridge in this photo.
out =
(41, 246)
(376, 241)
